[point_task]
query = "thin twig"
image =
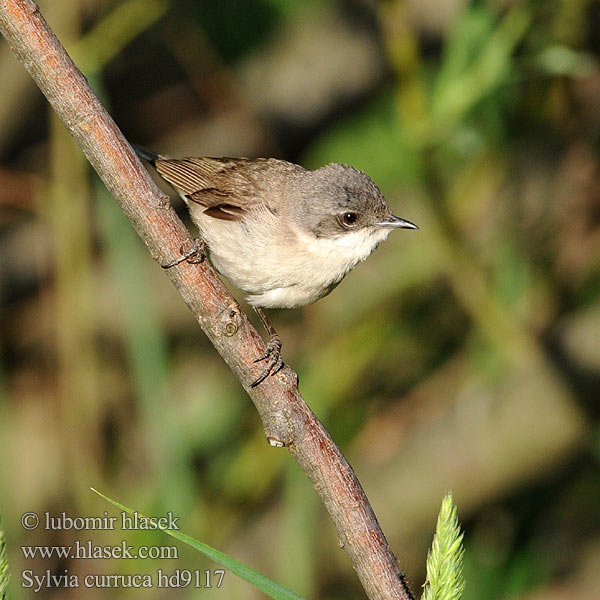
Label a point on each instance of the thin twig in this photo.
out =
(286, 417)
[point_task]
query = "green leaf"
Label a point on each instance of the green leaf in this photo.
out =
(266, 585)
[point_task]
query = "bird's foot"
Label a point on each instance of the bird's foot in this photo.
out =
(275, 364)
(193, 256)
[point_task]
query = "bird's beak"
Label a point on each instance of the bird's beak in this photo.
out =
(394, 222)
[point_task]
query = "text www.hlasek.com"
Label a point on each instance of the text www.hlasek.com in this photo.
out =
(87, 550)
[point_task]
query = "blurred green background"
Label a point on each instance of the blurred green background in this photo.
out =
(462, 357)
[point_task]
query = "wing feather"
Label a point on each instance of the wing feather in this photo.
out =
(227, 187)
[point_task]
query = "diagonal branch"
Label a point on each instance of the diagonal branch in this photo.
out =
(286, 417)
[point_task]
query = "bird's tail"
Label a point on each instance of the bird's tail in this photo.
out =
(148, 155)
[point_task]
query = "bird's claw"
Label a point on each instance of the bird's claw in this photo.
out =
(275, 364)
(193, 256)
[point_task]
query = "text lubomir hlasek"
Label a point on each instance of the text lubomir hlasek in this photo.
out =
(124, 521)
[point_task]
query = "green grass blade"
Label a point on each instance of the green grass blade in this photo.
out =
(266, 585)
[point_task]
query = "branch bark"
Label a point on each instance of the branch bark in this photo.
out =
(286, 418)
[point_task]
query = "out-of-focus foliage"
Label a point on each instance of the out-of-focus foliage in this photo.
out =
(462, 357)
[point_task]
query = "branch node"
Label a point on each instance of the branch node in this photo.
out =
(275, 442)
(231, 319)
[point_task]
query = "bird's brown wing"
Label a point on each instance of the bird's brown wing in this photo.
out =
(226, 187)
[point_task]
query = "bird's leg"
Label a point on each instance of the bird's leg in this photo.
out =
(193, 256)
(272, 351)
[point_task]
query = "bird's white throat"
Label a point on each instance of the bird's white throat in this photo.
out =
(341, 253)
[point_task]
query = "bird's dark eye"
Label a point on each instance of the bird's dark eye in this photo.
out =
(349, 218)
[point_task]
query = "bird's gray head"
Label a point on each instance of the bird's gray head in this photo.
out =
(339, 198)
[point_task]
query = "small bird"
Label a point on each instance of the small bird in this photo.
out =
(284, 235)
